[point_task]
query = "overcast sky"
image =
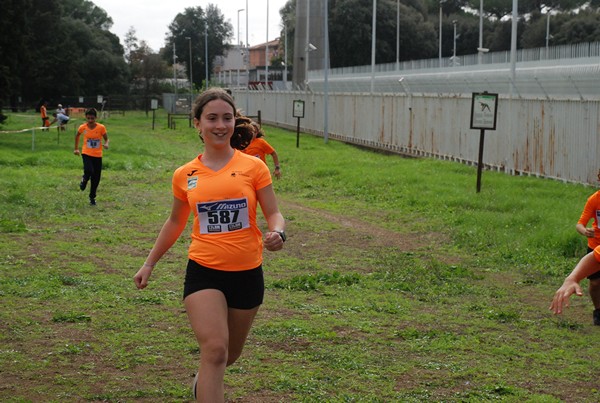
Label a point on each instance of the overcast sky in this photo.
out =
(151, 18)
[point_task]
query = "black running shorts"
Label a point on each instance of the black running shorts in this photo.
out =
(242, 289)
(595, 275)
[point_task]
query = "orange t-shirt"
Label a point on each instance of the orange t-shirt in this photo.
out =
(92, 139)
(259, 148)
(592, 210)
(45, 120)
(225, 235)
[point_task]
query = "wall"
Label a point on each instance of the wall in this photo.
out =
(548, 138)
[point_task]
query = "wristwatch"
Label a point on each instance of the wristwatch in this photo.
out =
(282, 235)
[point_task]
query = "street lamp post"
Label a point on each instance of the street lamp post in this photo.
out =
(454, 44)
(309, 46)
(285, 56)
(548, 36)
(398, 35)
(247, 54)
(191, 76)
(238, 27)
(480, 48)
(174, 77)
(206, 54)
(440, 35)
(239, 44)
(373, 44)
(267, 51)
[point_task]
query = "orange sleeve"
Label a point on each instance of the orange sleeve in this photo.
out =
(178, 183)
(267, 148)
(589, 211)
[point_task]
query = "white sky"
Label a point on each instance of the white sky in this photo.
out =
(151, 18)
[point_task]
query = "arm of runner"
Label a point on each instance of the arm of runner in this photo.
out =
(170, 232)
(587, 265)
(277, 171)
(268, 204)
(76, 150)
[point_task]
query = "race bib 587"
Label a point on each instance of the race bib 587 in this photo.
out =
(223, 216)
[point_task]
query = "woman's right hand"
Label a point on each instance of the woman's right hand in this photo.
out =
(141, 277)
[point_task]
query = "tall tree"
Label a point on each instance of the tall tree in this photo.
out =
(193, 23)
(147, 70)
(288, 31)
(50, 50)
(350, 32)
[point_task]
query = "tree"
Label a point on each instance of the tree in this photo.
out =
(350, 29)
(288, 17)
(147, 70)
(193, 23)
(47, 47)
(131, 43)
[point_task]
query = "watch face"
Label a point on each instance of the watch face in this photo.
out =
(282, 235)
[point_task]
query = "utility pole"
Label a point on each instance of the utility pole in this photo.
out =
(191, 76)
(206, 52)
(174, 77)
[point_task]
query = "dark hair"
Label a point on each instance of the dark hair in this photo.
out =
(244, 131)
(91, 111)
(259, 131)
(241, 136)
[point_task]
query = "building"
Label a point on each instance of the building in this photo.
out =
(247, 67)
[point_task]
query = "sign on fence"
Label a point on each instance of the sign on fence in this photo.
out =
(298, 113)
(484, 108)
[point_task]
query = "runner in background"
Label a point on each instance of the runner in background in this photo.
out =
(91, 151)
(591, 211)
(62, 120)
(259, 147)
(44, 114)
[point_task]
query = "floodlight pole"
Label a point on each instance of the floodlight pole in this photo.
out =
(307, 49)
(547, 33)
(191, 76)
(267, 51)
(247, 54)
(440, 35)
(238, 26)
(174, 77)
(285, 55)
(454, 44)
(398, 35)
(479, 50)
(206, 52)
(373, 41)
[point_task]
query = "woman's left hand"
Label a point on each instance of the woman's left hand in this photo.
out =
(273, 241)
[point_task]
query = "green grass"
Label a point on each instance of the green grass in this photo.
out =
(398, 281)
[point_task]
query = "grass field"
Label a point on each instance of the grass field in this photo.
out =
(398, 283)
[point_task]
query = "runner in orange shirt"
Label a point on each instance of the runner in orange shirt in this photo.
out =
(44, 113)
(259, 147)
(587, 266)
(91, 151)
(224, 285)
(591, 211)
